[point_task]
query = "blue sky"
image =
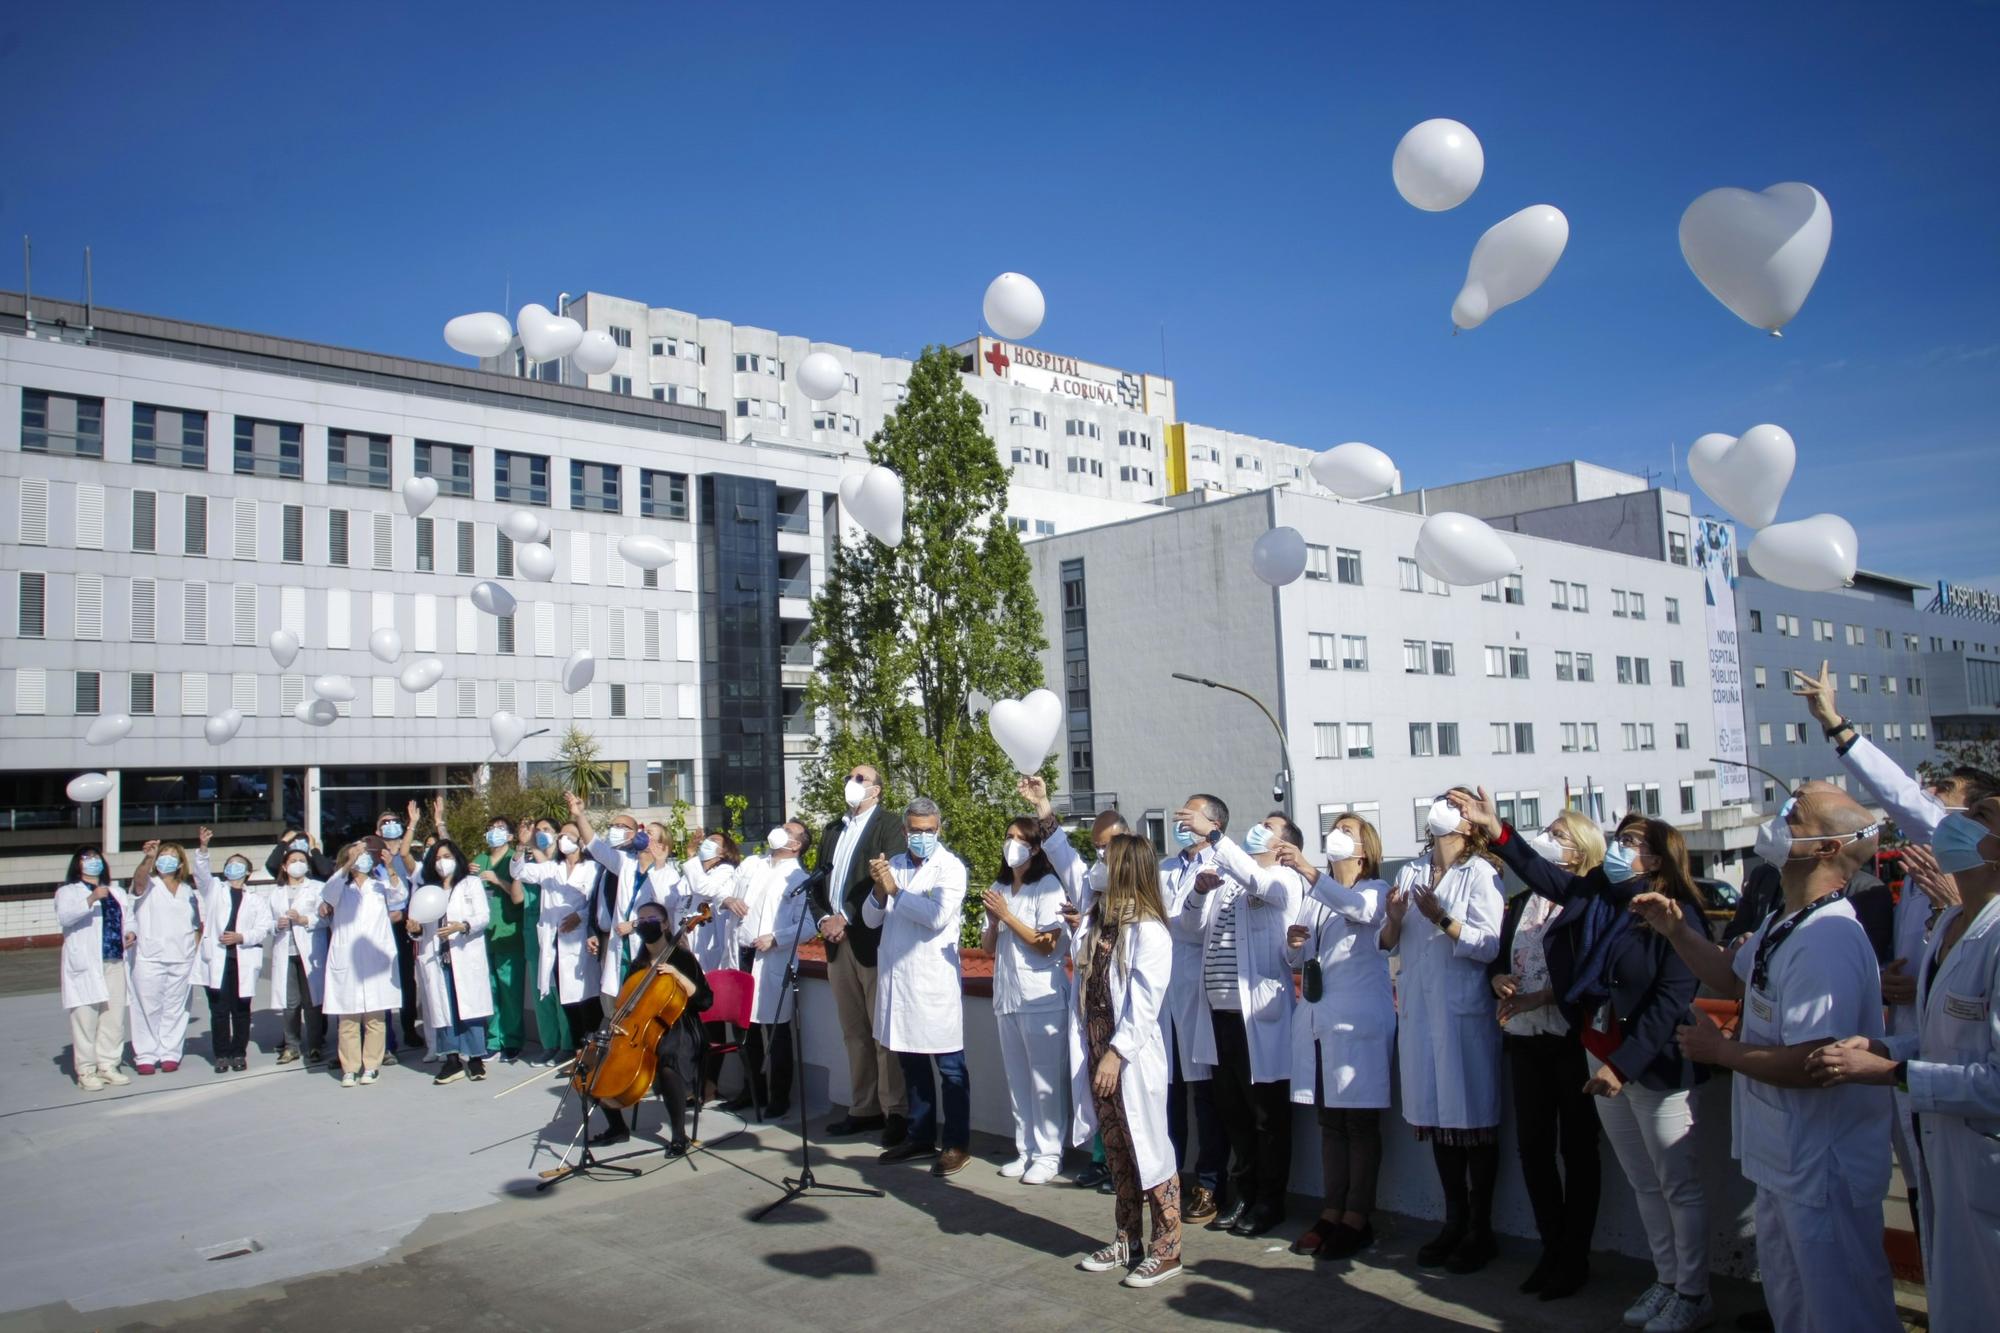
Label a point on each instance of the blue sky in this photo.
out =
(357, 174)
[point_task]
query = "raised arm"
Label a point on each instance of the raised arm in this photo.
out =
(1069, 867)
(1711, 966)
(1916, 811)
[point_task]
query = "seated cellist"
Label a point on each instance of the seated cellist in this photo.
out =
(682, 1047)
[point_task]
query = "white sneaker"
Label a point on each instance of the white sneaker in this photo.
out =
(1115, 1255)
(113, 1077)
(1653, 1300)
(1152, 1271)
(347, 1079)
(1041, 1173)
(90, 1082)
(1014, 1168)
(369, 1076)
(1683, 1313)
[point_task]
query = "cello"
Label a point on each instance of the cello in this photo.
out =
(617, 1064)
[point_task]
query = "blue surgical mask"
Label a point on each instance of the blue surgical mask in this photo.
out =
(363, 863)
(1183, 835)
(641, 840)
(93, 865)
(236, 870)
(923, 846)
(301, 845)
(391, 830)
(168, 864)
(544, 839)
(1618, 863)
(1258, 839)
(1956, 844)
(496, 837)
(708, 851)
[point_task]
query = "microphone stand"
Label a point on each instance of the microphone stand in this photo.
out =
(805, 1181)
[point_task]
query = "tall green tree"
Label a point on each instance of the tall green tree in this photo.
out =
(915, 640)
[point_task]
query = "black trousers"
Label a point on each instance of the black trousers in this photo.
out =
(1554, 1118)
(305, 1024)
(773, 1042)
(406, 966)
(1256, 1119)
(228, 1015)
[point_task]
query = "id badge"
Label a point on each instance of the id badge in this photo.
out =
(1760, 1005)
(1965, 1008)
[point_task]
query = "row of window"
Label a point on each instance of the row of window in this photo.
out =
(1356, 740)
(1794, 733)
(1042, 526)
(1857, 682)
(1437, 658)
(1788, 626)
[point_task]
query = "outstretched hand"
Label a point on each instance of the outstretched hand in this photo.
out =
(1820, 693)
(1476, 807)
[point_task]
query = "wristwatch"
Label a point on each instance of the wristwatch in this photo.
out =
(1900, 1076)
(1214, 836)
(1840, 724)
(1444, 922)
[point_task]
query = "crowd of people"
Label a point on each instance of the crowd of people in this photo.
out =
(1173, 1011)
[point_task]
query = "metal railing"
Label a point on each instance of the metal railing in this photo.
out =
(801, 724)
(794, 520)
(26, 818)
(149, 814)
(799, 587)
(799, 654)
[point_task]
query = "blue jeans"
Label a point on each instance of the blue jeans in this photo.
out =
(465, 1037)
(923, 1098)
(1211, 1148)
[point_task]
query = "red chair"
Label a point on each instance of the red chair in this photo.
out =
(733, 990)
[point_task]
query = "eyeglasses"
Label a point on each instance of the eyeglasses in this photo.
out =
(1632, 842)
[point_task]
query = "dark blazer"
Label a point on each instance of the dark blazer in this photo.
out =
(1558, 948)
(882, 837)
(1651, 988)
(319, 864)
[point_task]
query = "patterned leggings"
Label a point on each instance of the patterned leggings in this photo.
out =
(1164, 1198)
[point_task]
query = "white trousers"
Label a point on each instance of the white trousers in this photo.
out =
(159, 1005)
(1653, 1135)
(1036, 1056)
(97, 1031)
(1823, 1264)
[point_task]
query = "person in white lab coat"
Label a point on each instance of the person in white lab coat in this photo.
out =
(566, 953)
(1023, 932)
(626, 886)
(1119, 1072)
(710, 875)
(1819, 1157)
(94, 914)
(299, 982)
(167, 917)
(917, 901)
(1950, 1070)
(1244, 1025)
(236, 926)
(363, 982)
(1344, 1028)
(452, 966)
(777, 920)
(1449, 1055)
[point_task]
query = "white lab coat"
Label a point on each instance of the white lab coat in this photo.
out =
(1450, 1048)
(1348, 1036)
(1917, 813)
(471, 977)
(1140, 966)
(629, 890)
(919, 1009)
(568, 970)
(253, 923)
(1954, 1077)
(779, 909)
(1071, 869)
(278, 947)
(307, 942)
(1181, 1016)
(361, 973)
(1025, 981)
(714, 943)
(1267, 898)
(82, 922)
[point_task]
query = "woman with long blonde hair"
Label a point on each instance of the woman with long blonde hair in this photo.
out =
(1118, 1060)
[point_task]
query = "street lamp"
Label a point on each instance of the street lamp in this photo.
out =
(1281, 786)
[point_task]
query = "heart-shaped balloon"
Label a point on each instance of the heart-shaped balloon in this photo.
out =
(1513, 258)
(545, 335)
(1355, 471)
(874, 499)
(1460, 550)
(111, 727)
(645, 552)
(284, 646)
(316, 712)
(1745, 474)
(420, 675)
(536, 562)
(1013, 307)
(88, 788)
(482, 335)
(524, 525)
(595, 353)
(1816, 554)
(493, 599)
(579, 671)
(419, 493)
(1758, 253)
(1279, 556)
(1438, 165)
(1026, 729)
(386, 645)
(508, 731)
(428, 904)
(821, 377)
(222, 728)
(338, 689)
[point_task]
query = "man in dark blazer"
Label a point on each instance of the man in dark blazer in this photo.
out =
(846, 846)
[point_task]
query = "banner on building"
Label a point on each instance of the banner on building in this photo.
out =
(1715, 556)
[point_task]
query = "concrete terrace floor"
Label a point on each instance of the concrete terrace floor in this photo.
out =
(409, 1207)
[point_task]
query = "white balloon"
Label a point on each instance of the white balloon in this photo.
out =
(545, 335)
(222, 728)
(419, 493)
(1014, 307)
(1515, 256)
(1026, 728)
(1746, 474)
(596, 353)
(111, 727)
(1279, 556)
(316, 712)
(1356, 471)
(507, 730)
(420, 675)
(1816, 554)
(89, 788)
(579, 671)
(428, 904)
(645, 552)
(385, 645)
(1758, 253)
(1438, 165)
(524, 525)
(482, 335)
(874, 499)
(535, 562)
(284, 646)
(821, 377)
(493, 599)
(338, 689)
(1460, 550)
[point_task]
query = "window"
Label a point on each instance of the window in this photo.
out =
(1630, 732)
(89, 693)
(169, 437)
(1646, 736)
(34, 501)
(1682, 738)
(1353, 652)
(1788, 626)
(60, 423)
(194, 612)
(1586, 737)
(1361, 740)
(270, 449)
(1503, 738)
(1569, 738)
(623, 337)
(1888, 684)
(1756, 622)
(1326, 740)
(145, 598)
(617, 700)
(1524, 738)
(1624, 671)
(1586, 669)
(520, 478)
(1677, 547)
(1565, 665)
(1348, 563)
(1822, 631)
(1420, 740)
(32, 619)
(1416, 657)
(1319, 651)
(194, 525)
(465, 539)
(1579, 597)
(1496, 660)
(1318, 563)
(593, 487)
(503, 555)
(1621, 605)
(1517, 664)
(1021, 416)
(1795, 733)
(88, 594)
(1763, 733)
(621, 384)
(1490, 592)
(669, 780)
(1408, 577)
(1529, 810)
(1673, 610)
(1687, 798)
(1676, 672)
(1916, 684)
(1447, 733)
(450, 465)
(1512, 591)
(1758, 677)
(426, 545)
(1642, 669)
(1442, 662)
(1638, 606)
(142, 694)
(357, 459)
(1558, 595)
(505, 625)
(292, 534)
(1082, 429)
(1087, 467)
(663, 494)
(1857, 637)
(145, 521)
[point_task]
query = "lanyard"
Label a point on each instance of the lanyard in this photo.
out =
(1760, 968)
